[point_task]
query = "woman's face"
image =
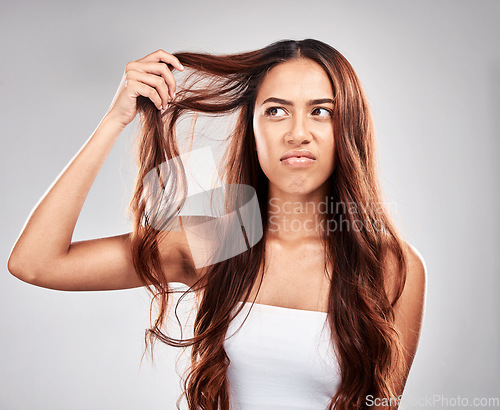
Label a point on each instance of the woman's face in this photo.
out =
(293, 111)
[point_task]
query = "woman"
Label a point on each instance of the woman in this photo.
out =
(304, 142)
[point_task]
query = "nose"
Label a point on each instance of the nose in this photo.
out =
(299, 133)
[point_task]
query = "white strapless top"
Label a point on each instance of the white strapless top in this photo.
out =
(281, 358)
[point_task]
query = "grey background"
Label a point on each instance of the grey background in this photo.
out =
(431, 72)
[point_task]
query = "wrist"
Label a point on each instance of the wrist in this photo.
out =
(109, 120)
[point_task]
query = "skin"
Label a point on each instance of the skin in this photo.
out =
(295, 248)
(279, 128)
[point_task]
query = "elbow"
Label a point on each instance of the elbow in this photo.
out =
(18, 269)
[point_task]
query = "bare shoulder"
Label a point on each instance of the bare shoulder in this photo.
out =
(416, 273)
(417, 269)
(409, 309)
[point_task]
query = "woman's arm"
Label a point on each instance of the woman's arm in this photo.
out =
(46, 236)
(43, 254)
(409, 311)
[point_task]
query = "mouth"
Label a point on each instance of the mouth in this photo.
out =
(298, 158)
(303, 153)
(299, 162)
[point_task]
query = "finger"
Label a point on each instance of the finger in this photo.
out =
(153, 81)
(161, 70)
(161, 55)
(147, 91)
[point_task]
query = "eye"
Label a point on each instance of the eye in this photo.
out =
(328, 112)
(272, 110)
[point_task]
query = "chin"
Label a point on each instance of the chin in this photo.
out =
(296, 189)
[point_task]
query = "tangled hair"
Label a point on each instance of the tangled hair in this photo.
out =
(360, 312)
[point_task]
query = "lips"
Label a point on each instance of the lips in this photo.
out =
(303, 153)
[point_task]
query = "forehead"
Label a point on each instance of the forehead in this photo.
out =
(296, 79)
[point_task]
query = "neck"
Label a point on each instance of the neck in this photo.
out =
(297, 217)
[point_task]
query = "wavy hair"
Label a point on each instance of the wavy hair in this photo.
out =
(360, 313)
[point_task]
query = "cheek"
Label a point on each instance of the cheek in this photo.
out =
(264, 153)
(263, 144)
(329, 140)
(327, 149)
(331, 147)
(331, 155)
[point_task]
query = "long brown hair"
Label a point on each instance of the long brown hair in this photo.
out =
(360, 314)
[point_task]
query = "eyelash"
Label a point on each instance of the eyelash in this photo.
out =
(268, 111)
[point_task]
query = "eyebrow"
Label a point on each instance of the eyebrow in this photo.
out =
(286, 102)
